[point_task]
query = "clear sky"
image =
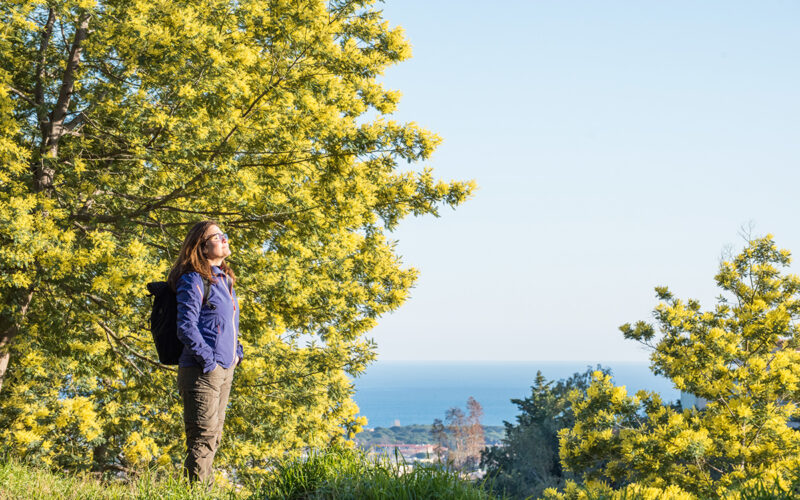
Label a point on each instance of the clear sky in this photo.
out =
(617, 146)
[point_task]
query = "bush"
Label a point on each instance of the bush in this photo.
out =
(779, 483)
(344, 474)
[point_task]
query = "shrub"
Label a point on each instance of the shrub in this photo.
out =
(346, 473)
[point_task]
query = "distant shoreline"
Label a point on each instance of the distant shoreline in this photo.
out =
(515, 361)
(416, 434)
(417, 392)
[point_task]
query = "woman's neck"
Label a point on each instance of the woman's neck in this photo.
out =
(215, 262)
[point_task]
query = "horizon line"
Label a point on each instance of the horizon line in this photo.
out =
(511, 361)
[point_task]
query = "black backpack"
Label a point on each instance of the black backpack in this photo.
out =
(164, 321)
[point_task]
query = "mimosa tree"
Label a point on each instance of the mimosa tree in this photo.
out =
(741, 356)
(124, 122)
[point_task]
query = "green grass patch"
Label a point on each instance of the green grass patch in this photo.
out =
(349, 474)
(23, 482)
(327, 474)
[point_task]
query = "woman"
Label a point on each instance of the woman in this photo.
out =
(208, 326)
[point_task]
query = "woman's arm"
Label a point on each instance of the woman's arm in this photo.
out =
(190, 301)
(239, 348)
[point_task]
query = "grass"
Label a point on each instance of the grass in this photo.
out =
(348, 474)
(329, 474)
(23, 482)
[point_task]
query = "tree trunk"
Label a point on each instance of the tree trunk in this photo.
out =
(10, 330)
(100, 457)
(5, 354)
(52, 129)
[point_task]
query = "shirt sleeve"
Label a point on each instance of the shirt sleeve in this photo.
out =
(190, 301)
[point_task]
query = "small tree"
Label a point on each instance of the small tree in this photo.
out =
(476, 438)
(456, 427)
(461, 435)
(439, 434)
(741, 356)
(528, 460)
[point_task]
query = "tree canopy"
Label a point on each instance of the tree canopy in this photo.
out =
(124, 122)
(528, 462)
(742, 356)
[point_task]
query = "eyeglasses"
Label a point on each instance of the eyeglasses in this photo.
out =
(218, 236)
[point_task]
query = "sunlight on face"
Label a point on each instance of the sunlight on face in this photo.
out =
(216, 245)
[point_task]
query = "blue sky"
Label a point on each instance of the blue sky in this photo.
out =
(617, 146)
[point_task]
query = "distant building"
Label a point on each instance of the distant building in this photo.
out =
(407, 453)
(404, 449)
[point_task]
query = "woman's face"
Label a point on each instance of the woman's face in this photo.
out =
(216, 244)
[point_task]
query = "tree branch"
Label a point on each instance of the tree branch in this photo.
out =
(38, 92)
(114, 350)
(269, 88)
(24, 97)
(67, 88)
(110, 332)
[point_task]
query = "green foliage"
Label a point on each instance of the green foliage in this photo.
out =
(349, 474)
(776, 485)
(332, 473)
(741, 356)
(18, 482)
(414, 434)
(122, 123)
(593, 490)
(527, 462)
(779, 483)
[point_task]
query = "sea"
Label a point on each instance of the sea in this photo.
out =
(394, 393)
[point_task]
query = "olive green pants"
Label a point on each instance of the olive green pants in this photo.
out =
(205, 398)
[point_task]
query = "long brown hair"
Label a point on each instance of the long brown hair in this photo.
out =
(192, 258)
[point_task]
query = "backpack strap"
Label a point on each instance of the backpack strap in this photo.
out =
(206, 290)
